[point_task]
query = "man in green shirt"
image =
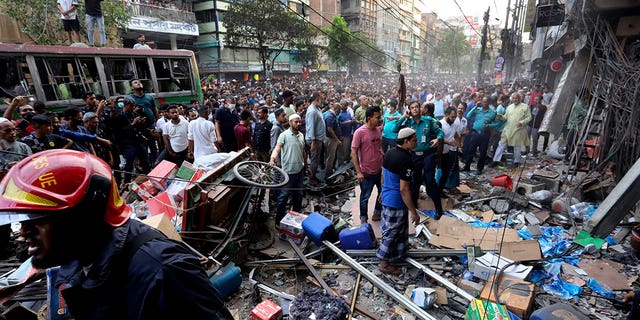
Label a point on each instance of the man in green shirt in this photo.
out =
(294, 162)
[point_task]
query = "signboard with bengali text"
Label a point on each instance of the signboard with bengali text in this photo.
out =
(147, 24)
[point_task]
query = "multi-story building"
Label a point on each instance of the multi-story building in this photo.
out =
(430, 33)
(226, 62)
(170, 25)
(361, 16)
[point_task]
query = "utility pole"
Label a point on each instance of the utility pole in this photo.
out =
(483, 46)
(506, 45)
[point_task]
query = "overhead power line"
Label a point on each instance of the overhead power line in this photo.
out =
(331, 23)
(399, 17)
(344, 44)
(466, 19)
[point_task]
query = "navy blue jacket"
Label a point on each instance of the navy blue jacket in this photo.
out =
(163, 280)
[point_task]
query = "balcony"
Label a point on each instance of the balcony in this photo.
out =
(172, 13)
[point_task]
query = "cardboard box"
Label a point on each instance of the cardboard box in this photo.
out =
(527, 250)
(452, 233)
(517, 295)
(161, 172)
(486, 310)
(146, 190)
(266, 310)
(473, 288)
(485, 266)
(163, 204)
(162, 223)
(291, 226)
(177, 189)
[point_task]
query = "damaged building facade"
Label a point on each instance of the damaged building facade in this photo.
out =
(590, 53)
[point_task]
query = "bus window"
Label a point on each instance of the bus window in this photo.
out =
(182, 73)
(119, 72)
(144, 74)
(15, 78)
(90, 76)
(173, 74)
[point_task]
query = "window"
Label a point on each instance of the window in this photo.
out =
(173, 74)
(15, 77)
(119, 71)
(68, 78)
(205, 16)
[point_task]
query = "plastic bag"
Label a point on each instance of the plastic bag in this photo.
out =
(541, 196)
(211, 161)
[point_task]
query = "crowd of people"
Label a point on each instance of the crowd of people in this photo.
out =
(309, 127)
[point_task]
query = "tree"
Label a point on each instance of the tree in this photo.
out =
(267, 27)
(339, 39)
(40, 19)
(351, 49)
(450, 49)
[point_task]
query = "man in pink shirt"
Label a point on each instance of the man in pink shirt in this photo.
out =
(366, 153)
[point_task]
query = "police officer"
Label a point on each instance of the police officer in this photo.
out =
(424, 156)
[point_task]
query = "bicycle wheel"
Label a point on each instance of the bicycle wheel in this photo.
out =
(260, 174)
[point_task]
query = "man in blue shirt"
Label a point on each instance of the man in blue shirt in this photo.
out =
(347, 124)
(485, 120)
(397, 204)
(333, 139)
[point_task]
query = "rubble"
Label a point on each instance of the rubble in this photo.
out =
(301, 268)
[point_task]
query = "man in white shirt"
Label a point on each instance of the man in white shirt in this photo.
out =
(438, 103)
(175, 137)
(141, 44)
(202, 135)
(450, 128)
(67, 9)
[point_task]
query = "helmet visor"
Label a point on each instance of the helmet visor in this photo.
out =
(8, 217)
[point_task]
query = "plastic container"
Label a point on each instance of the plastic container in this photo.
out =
(227, 280)
(502, 180)
(580, 210)
(361, 237)
(558, 311)
(319, 228)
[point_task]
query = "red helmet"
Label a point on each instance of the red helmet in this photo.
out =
(49, 182)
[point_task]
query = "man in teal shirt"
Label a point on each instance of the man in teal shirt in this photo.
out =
(390, 117)
(429, 136)
(485, 120)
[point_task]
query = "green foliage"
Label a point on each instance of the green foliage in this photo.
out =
(266, 26)
(348, 49)
(450, 50)
(339, 37)
(41, 21)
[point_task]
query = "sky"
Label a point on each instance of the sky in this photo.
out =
(476, 8)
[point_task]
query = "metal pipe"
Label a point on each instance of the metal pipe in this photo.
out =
(416, 253)
(287, 260)
(412, 253)
(413, 308)
(313, 271)
(475, 201)
(442, 280)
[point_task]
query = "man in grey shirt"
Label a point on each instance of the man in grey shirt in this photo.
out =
(316, 133)
(11, 151)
